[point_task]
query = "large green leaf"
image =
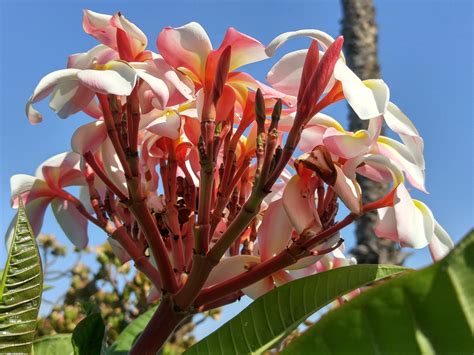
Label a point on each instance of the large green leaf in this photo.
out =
(430, 311)
(272, 316)
(88, 335)
(53, 345)
(125, 340)
(20, 289)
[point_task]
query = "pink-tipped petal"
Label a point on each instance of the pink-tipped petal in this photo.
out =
(300, 205)
(157, 86)
(177, 82)
(66, 160)
(347, 145)
(259, 288)
(89, 137)
(285, 75)
(383, 166)
(93, 109)
(310, 260)
(168, 125)
(71, 221)
(245, 49)
(185, 47)
(232, 266)
(98, 26)
(401, 156)
(275, 231)
(99, 54)
(61, 170)
(28, 187)
(229, 267)
(192, 129)
(136, 38)
(35, 211)
(312, 137)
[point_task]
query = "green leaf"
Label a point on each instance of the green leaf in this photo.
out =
(53, 345)
(88, 335)
(430, 311)
(20, 289)
(270, 318)
(125, 340)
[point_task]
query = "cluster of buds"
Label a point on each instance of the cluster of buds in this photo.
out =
(214, 183)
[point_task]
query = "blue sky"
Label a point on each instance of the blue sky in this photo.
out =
(425, 50)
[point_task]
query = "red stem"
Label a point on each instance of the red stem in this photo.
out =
(141, 261)
(158, 329)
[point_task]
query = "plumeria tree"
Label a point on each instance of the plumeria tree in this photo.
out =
(212, 182)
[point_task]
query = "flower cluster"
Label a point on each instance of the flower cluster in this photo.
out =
(214, 183)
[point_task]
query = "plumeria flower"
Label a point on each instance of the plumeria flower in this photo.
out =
(411, 223)
(182, 165)
(117, 33)
(189, 49)
(47, 188)
(73, 89)
(408, 222)
(368, 98)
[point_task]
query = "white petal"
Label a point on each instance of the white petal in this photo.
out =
(299, 201)
(112, 166)
(310, 260)
(85, 199)
(89, 137)
(99, 54)
(399, 154)
(285, 75)
(21, 183)
(71, 221)
(187, 46)
(323, 38)
(348, 191)
(229, 267)
(275, 231)
(66, 160)
(158, 87)
(35, 211)
(166, 126)
(139, 38)
(368, 99)
(118, 250)
(70, 97)
(45, 87)
(118, 78)
(441, 243)
(401, 124)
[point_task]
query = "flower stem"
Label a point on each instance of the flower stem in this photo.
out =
(161, 326)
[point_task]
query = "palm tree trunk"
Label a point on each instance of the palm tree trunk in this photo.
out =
(360, 46)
